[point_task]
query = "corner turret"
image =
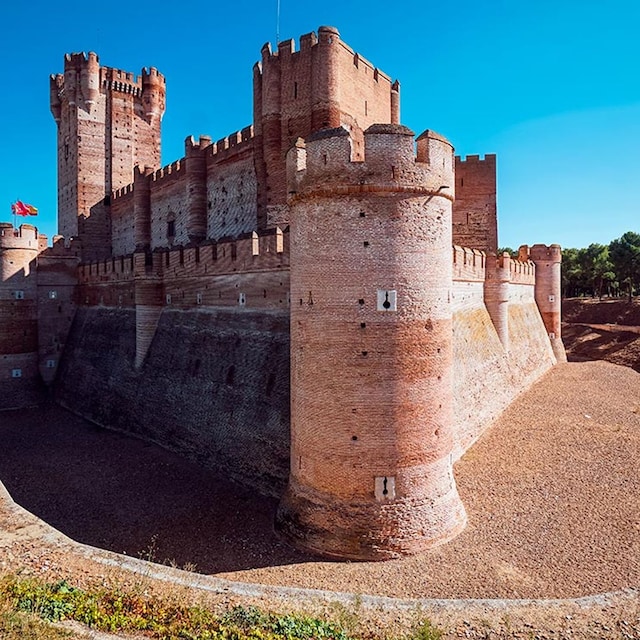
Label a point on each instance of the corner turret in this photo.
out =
(371, 346)
(20, 383)
(548, 292)
(153, 93)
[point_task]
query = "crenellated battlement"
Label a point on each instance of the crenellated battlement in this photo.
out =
(232, 144)
(153, 75)
(83, 79)
(468, 264)
(522, 271)
(325, 35)
(24, 237)
(123, 192)
(489, 159)
(544, 253)
(246, 254)
(504, 268)
(324, 163)
(330, 36)
(171, 171)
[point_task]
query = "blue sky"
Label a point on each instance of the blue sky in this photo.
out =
(552, 87)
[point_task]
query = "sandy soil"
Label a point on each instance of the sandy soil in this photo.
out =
(552, 493)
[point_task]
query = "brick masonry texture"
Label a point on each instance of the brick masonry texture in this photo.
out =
(214, 386)
(312, 305)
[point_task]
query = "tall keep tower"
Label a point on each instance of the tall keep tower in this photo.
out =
(324, 84)
(108, 122)
(371, 346)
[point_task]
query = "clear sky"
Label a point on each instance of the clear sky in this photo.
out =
(552, 87)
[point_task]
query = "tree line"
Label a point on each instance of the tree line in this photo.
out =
(601, 269)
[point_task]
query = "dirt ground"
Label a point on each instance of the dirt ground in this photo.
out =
(602, 330)
(552, 492)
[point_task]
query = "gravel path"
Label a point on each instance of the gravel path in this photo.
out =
(552, 493)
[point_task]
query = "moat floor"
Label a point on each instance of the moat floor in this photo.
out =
(552, 492)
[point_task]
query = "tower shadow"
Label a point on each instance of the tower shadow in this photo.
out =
(122, 494)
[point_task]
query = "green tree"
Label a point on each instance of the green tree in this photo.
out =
(598, 269)
(576, 273)
(513, 253)
(625, 256)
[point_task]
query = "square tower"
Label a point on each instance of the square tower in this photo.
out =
(108, 122)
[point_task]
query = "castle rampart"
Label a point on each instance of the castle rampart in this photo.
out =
(382, 327)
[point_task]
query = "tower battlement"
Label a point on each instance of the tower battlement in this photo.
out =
(24, 237)
(325, 163)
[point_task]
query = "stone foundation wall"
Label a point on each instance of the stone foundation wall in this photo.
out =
(214, 386)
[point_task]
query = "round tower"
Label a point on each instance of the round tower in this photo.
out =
(371, 347)
(90, 79)
(548, 292)
(148, 295)
(496, 294)
(196, 162)
(154, 92)
(142, 207)
(19, 374)
(325, 84)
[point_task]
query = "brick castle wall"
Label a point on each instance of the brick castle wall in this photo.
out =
(401, 349)
(214, 385)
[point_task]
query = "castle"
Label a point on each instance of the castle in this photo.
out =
(312, 305)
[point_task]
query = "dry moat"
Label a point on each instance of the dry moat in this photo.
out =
(552, 493)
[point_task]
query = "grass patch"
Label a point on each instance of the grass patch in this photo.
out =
(15, 625)
(113, 609)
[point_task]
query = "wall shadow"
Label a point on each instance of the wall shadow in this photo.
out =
(122, 494)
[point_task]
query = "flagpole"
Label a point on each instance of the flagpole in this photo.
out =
(278, 23)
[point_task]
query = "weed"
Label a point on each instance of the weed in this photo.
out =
(426, 630)
(149, 554)
(116, 610)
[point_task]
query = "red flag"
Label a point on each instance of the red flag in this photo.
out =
(19, 208)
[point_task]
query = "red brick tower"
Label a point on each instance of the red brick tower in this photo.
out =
(323, 85)
(19, 375)
(475, 214)
(371, 346)
(548, 261)
(108, 122)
